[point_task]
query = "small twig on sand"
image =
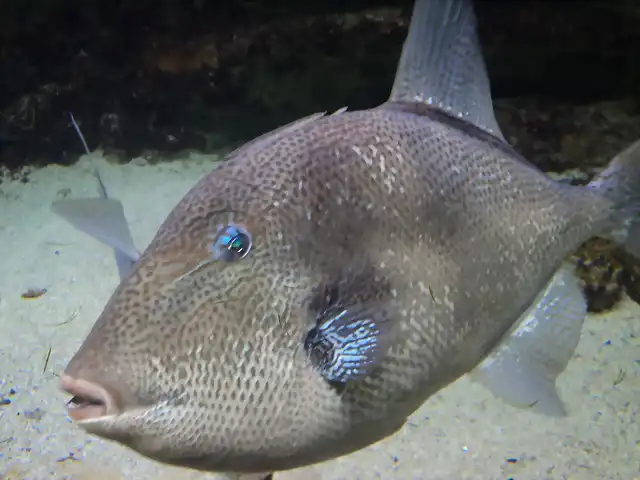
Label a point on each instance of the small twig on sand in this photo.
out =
(621, 374)
(71, 318)
(75, 125)
(46, 360)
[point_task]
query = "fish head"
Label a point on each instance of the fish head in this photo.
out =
(201, 356)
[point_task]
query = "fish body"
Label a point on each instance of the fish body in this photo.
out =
(303, 299)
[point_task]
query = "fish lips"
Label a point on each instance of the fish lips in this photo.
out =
(98, 411)
(90, 401)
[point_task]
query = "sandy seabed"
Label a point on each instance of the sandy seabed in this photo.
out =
(461, 433)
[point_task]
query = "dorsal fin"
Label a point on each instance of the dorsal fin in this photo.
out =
(441, 63)
(103, 219)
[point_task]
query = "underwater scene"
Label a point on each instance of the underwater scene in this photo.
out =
(339, 240)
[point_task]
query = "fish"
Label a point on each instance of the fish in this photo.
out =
(304, 298)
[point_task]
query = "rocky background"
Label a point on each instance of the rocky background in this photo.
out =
(155, 78)
(149, 78)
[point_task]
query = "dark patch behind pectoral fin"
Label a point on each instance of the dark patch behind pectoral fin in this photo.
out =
(349, 342)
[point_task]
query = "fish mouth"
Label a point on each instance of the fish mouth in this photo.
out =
(89, 401)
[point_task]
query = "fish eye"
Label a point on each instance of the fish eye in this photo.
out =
(233, 243)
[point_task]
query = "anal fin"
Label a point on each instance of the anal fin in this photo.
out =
(523, 368)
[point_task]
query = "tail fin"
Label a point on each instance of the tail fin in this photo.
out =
(620, 183)
(442, 65)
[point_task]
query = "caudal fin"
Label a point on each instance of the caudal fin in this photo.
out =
(620, 183)
(441, 63)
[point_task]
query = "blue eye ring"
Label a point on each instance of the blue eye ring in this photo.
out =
(233, 242)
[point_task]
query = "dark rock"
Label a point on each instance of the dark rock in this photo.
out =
(600, 270)
(560, 136)
(204, 75)
(631, 276)
(606, 271)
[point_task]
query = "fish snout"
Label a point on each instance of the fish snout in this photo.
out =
(91, 400)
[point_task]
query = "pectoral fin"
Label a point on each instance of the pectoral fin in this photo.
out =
(349, 343)
(523, 368)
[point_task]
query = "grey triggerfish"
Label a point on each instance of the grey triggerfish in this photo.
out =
(307, 296)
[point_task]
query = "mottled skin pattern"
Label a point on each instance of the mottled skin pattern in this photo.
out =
(399, 203)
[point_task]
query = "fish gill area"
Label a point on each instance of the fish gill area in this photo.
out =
(155, 79)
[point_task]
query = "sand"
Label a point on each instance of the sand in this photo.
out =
(461, 433)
